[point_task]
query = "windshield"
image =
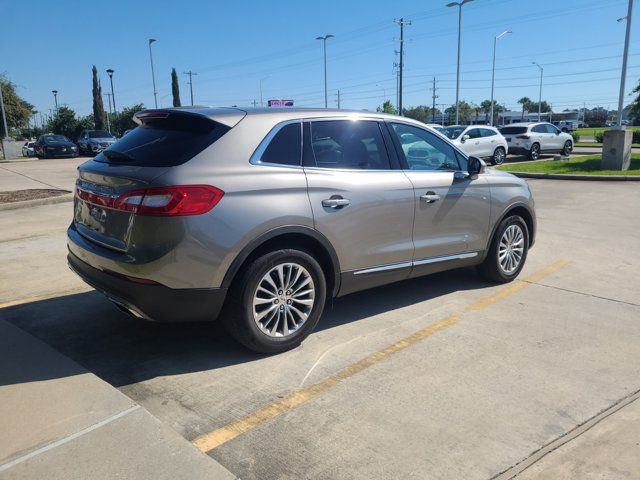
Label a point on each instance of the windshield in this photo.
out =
(99, 134)
(452, 132)
(55, 138)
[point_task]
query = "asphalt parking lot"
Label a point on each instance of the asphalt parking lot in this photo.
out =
(441, 377)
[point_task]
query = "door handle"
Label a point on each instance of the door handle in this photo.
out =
(430, 197)
(335, 202)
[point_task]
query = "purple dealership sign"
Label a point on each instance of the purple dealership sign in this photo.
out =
(280, 103)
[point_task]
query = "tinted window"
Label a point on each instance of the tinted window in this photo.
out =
(99, 134)
(452, 132)
(513, 130)
(424, 150)
(349, 144)
(164, 142)
(285, 147)
(473, 133)
(539, 129)
(487, 133)
(551, 129)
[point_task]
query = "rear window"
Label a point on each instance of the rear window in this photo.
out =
(513, 130)
(164, 142)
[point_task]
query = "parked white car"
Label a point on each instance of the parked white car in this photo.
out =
(28, 149)
(480, 141)
(532, 139)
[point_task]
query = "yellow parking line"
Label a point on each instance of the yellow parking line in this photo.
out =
(47, 296)
(220, 436)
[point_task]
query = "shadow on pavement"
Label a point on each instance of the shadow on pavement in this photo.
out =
(123, 350)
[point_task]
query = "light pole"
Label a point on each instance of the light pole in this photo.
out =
(113, 97)
(625, 55)
(493, 70)
(324, 48)
(4, 124)
(55, 97)
(190, 73)
(540, 94)
(153, 74)
(459, 5)
(262, 80)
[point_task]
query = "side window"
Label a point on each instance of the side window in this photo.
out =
(356, 145)
(285, 147)
(473, 133)
(551, 129)
(487, 133)
(423, 150)
(539, 129)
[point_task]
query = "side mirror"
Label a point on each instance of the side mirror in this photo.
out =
(475, 166)
(465, 138)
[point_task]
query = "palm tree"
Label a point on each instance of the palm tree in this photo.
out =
(526, 103)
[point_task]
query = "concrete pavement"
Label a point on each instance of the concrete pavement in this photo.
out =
(33, 173)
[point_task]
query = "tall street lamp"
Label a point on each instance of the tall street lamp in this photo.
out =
(262, 80)
(625, 56)
(113, 97)
(540, 94)
(153, 74)
(55, 97)
(459, 5)
(324, 45)
(493, 70)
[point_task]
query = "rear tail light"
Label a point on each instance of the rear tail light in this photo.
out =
(171, 201)
(523, 137)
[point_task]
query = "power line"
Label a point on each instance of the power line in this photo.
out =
(190, 73)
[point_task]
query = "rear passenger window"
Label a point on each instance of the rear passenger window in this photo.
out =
(285, 147)
(348, 144)
(474, 133)
(487, 133)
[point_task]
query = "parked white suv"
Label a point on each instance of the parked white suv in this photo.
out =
(532, 139)
(478, 141)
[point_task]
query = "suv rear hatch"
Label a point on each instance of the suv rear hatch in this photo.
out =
(114, 191)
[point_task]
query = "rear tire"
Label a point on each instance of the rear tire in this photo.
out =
(510, 241)
(499, 156)
(267, 310)
(534, 153)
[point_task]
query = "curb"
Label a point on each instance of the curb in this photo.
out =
(557, 176)
(37, 202)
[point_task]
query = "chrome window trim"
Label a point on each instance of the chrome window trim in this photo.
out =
(257, 154)
(416, 263)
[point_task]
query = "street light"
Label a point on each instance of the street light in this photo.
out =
(55, 97)
(459, 5)
(324, 45)
(113, 97)
(262, 80)
(625, 55)
(153, 75)
(493, 70)
(540, 94)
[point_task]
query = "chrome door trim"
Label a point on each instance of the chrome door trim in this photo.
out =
(257, 154)
(416, 263)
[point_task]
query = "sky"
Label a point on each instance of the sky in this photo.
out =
(235, 46)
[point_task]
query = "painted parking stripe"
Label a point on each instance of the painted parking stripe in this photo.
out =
(220, 436)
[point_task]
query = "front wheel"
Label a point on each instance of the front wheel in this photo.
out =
(499, 156)
(276, 301)
(567, 149)
(508, 251)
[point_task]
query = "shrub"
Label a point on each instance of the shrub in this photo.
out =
(636, 136)
(576, 136)
(598, 137)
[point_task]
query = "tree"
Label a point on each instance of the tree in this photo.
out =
(526, 104)
(485, 106)
(123, 120)
(422, 113)
(634, 107)
(175, 89)
(387, 108)
(18, 111)
(546, 107)
(98, 105)
(464, 112)
(64, 122)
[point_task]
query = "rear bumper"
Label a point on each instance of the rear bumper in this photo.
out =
(518, 150)
(152, 301)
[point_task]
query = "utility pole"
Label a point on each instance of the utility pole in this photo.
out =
(433, 97)
(324, 49)
(625, 56)
(493, 69)
(153, 74)
(338, 95)
(540, 94)
(109, 114)
(190, 73)
(459, 5)
(4, 124)
(397, 73)
(402, 22)
(254, 103)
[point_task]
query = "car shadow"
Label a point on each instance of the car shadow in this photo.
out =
(123, 350)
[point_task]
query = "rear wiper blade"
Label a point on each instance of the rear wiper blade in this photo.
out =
(115, 155)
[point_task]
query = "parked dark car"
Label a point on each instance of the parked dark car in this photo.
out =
(52, 145)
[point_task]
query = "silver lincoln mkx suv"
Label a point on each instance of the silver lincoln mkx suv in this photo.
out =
(260, 216)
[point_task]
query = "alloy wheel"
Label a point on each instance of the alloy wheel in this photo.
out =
(498, 156)
(511, 249)
(535, 152)
(283, 299)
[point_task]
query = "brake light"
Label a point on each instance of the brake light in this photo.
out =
(523, 137)
(170, 201)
